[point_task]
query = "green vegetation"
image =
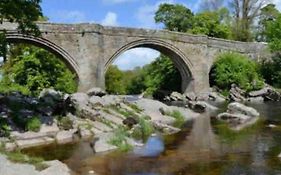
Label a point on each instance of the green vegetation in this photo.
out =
(233, 68)
(33, 124)
(177, 115)
(65, 123)
(120, 139)
(5, 129)
(161, 74)
(30, 69)
(144, 130)
(134, 107)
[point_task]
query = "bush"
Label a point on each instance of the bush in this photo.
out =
(120, 139)
(144, 130)
(271, 71)
(33, 124)
(234, 68)
(65, 123)
(177, 115)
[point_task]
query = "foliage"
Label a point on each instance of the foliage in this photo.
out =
(65, 123)
(114, 81)
(211, 23)
(238, 69)
(5, 129)
(273, 34)
(268, 14)
(30, 69)
(161, 74)
(177, 115)
(33, 124)
(135, 107)
(175, 17)
(143, 130)
(120, 139)
(23, 12)
(271, 71)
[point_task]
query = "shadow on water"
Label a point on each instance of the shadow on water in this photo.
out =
(204, 147)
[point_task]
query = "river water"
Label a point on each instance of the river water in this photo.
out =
(204, 147)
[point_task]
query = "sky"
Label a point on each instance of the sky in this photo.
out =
(126, 13)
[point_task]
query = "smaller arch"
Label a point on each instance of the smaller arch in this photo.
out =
(46, 44)
(182, 63)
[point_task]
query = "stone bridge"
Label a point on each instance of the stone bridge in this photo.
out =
(89, 49)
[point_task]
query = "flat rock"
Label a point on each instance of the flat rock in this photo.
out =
(64, 137)
(21, 144)
(56, 168)
(96, 91)
(242, 109)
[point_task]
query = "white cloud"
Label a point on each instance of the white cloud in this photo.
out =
(110, 19)
(116, 1)
(136, 57)
(71, 16)
(145, 14)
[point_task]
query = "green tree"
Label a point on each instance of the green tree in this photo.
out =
(175, 17)
(34, 69)
(114, 81)
(235, 68)
(268, 15)
(273, 34)
(23, 12)
(212, 23)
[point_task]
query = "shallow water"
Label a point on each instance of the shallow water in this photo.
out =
(201, 148)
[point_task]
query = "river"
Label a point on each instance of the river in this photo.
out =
(203, 147)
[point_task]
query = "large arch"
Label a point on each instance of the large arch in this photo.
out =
(182, 63)
(48, 45)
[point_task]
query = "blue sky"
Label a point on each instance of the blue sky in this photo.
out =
(127, 13)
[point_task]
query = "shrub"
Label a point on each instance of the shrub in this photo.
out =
(144, 130)
(234, 68)
(179, 118)
(271, 71)
(65, 123)
(33, 124)
(120, 139)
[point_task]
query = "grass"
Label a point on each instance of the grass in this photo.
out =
(19, 157)
(123, 112)
(33, 124)
(120, 139)
(65, 123)
(144, 130)
(135, 107)
(179, 118)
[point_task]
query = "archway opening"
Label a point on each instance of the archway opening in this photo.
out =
(29, 69)
(147, 69)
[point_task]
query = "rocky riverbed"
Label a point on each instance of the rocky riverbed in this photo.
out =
(107, 121)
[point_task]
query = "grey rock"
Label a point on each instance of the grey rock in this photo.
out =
(238, 108)
(96, 91)
(96, 101)
(56, 168)
(176, 96)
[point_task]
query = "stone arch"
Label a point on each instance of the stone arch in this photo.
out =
(48, 45)
(182, 63)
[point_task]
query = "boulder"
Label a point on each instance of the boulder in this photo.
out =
(50, 96)
(190, 96)
(214, 96)
(259, 93)
(238, 108)
(272, 95)
(64, 137)
(236, 94)
(79, 100)
(96, 91)
(176, 96)
(96, 101)
(199, 106)
(130, 122)
(164, 128)
(56, 168)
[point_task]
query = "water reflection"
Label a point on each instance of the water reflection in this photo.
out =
(201, 149)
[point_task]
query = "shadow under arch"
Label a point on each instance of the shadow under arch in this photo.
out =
(48, 45)
(182, 63)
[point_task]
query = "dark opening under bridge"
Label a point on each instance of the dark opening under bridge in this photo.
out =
(89, 49)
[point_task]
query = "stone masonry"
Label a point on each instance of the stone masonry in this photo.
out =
(89, 49)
